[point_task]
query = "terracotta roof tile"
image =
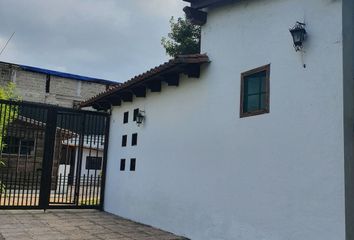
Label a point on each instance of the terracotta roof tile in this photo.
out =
(135, 81)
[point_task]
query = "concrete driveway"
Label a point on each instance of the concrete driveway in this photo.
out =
(74, 224)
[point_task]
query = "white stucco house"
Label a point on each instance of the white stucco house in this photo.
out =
(251, 140)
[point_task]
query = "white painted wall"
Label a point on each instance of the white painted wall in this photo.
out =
(204, 173)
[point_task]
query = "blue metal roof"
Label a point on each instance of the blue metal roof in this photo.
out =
(66, 75)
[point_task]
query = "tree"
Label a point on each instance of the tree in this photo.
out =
(6, 93)
(184, 38)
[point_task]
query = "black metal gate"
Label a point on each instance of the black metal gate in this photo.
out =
(51, 157)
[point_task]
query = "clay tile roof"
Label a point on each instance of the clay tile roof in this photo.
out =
(174, 66)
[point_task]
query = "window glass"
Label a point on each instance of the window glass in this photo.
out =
(255, 92)
(251, 103)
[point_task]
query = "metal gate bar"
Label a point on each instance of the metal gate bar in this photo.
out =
(53, 157)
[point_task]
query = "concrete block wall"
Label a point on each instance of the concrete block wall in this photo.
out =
(31, 86)
(91, 89)
(5, 75)
(63, 86)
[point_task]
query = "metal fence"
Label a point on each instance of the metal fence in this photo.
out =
(51, 157)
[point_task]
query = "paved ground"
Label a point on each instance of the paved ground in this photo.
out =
(74, 224)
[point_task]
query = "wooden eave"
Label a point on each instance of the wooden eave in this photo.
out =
(168, 72)
(195, 16)
(199, 4)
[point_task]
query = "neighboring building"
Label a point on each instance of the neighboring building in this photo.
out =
(92, 156)
(52, 87)
(256, 144)
(23, 148)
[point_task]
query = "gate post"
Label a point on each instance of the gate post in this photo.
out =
(47, 162)
(105, 158)
(79, 159)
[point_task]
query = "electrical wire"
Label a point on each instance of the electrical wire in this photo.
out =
(7, 43)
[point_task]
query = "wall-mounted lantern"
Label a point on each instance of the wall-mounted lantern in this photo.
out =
(298, 32)
(140, 117)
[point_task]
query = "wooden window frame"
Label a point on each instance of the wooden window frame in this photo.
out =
(267, 100)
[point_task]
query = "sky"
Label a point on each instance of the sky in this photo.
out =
(107, 39)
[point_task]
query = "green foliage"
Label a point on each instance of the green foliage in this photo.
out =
(6, 93)
(183, 39)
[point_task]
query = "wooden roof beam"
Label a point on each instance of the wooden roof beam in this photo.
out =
(152, 79)
(104, 105)
(198, 4)
(172, 79)
(115, 100)
(126, 96)
(139, 91)
(193, 71)
(195, 16)
(154, 86)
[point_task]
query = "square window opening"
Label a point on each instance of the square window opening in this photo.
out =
(126, 117)
(136, 112)
(132, 164)
(134, 139)
(124, 140)
(122, 164)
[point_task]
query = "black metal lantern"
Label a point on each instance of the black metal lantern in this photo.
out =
(298, 32)
(140, 117)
